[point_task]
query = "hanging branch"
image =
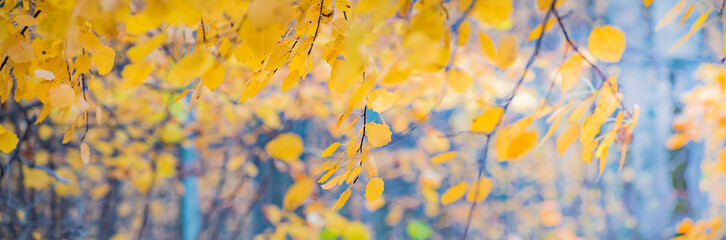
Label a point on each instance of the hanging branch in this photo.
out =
(599, 72)
(485, 151)
(455, 31)
(22, 32)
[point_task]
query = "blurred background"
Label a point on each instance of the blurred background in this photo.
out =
(161, 169)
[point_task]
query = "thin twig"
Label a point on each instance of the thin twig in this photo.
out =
(485, 151)
(317, 28)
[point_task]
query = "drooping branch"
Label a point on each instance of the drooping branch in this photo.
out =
(599, 72)
(485, 150)
(22, 32)
(455, 30)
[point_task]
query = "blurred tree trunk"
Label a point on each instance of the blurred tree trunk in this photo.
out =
(190, 207)
(191, 215)
(648, 79)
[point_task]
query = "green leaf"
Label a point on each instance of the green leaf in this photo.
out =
(418, 230)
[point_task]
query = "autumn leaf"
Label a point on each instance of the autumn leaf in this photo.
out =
(8, 140)
(104, 59)
(487, 121)
(189, 67)
(135, 74)
(214, 76)
(374, 188)
(297, 193)
(459, 80)
(454, 193)
(571, 71)
(671, 15)
(479, 190)
(443, 157)
(331, 149)
(378, 134)
(696, 26)
(286, 147)
(341, 201)
(606, 43)
(545, 4)
(537, 30)
(62, 95)
(20, 52)
(567, 138)
(85, 153)
(380, 100)
(165, 165)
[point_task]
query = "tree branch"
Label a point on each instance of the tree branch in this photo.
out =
(485, 151)
(599, 72)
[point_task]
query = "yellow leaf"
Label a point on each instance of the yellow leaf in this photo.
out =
(379, 134)
(286, 147)
(487, 121)
(290, 80)
(606, 43)
(519, 145)
(571, 71)
(353, 174)
(25, 20)
(85, 153)
(100, 191)
(333, 182)
(697, 25)
(8, 140)
(345, 74)
(341, 201)
(330, 172)
(184, 93)
(165, 165)
(191, 66)
(647, 2)
(545, 4)
(487, 47)
(459, 80)
(297, 194)
(82, 63)
(537, 31)
(567, 138)
(671, 15)
(493, 12)
(214, 76)
(20, 52)
(688, 13)
(676, 141)
(61, 95)
(140, 51)
(272, 213)
(454, 193)
(374, 189)
(381, 100)
(559, 115)
(398, 73)
(480, 189)
(103, 59)
(581, 110)
(135, 74)
(507, 51)
(443, 157)
(331, 149)
(464, 32)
